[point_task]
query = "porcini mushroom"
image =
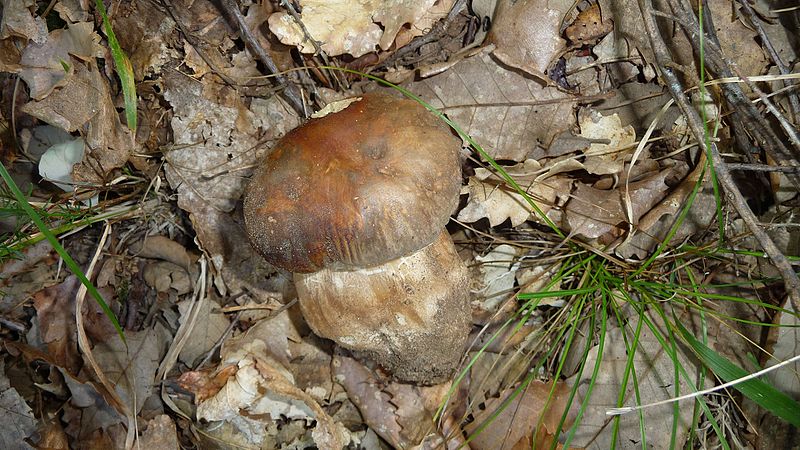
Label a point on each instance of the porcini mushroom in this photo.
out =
(355, 204)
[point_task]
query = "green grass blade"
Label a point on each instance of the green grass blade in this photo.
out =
(756, 390)
(71, 264)
(123, 67)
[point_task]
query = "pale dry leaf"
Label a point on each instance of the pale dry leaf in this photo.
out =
(146, 38)
(72, 11)
(605, 159)
(17, 20)
(498, 268)
(17, 419)
(43, 65)
(355, 27)
(131, 368)
(161, 434)
(593, 213)
(218, 143)
(87, 98)
(497, 202)
(656, 381)
(786, 379)
(589, 26)
(527, 36)
(211, 325)
(394, 411)
(507, 113)
(514, 426)
(263, 388)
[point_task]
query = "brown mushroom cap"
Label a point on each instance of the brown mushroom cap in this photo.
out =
(373, 182)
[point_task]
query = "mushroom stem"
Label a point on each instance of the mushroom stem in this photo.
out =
(411, 314)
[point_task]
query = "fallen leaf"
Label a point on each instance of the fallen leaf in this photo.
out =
(218, 143)
(515, 425)
(351, 26)
(656, 381)
(160, 434)
(498, 268)
(263, 390)
(589, 26)
(603, 159)
(507, 113)
(395, 411)
(55, 310)
(17, 20)
(593, 213)
(17, 420)
(527, 35)
(211, 325)
(49, 65)
(490, 198)
(131, 368)
(86, 98)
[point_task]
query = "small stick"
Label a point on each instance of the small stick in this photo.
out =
(290, 93)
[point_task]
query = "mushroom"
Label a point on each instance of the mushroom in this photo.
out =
(355, 204)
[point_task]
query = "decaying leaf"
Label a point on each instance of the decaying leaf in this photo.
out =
(261, 391)
(17, 419)
(603, 159)
(218, 142)
(18, 21)
(593, 213)
(589, 26)
(132, 368)
(48, 65)
(656, 381)
(498, 268)
(490, 198)
(352, 26)
(211, 325)
(527, 35)
(507, 113)
(530, 420)
(86, 100)
(397, 411)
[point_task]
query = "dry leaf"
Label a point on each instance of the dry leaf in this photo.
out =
(527, 36)
(656, 381)
(603, 159)
(507, 113)
(498, 268)
(352, 26)
(17, 420)
(48, 65)
(497, 202)
(593, 213)
(262, 390)
(132, 368)
(588, 26)
(514, 426)
(17, 20)
(160, 434)
(86, 98)
(218, 142)
(211, 325)
(395, 411)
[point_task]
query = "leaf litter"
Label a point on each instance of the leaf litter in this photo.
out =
(558, 95)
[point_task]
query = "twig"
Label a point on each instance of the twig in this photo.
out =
(762, 168)
(720, 166)
(776, 58)
(290, 92)
(756, 124)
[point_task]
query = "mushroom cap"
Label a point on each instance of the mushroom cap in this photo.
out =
(356, 188)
